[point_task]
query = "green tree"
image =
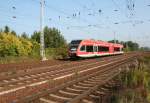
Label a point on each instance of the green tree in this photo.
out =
(128, 45)
(52, 37)
(13, 33)
(132, 45)
(24, 35)
(36, 36)
(6, 29)
(1, 30)
(145, 48)
(113, 41)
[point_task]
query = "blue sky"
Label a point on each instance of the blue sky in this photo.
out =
(88, 23)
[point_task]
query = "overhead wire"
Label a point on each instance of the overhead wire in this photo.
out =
(93, 13)
(119, 8)
(62, 12)
(83, 20)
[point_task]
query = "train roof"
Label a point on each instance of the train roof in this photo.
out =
(75, 42)
(91, 41)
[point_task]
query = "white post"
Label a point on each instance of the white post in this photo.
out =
(114, 37)
(42, 46)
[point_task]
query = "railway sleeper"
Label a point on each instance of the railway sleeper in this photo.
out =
(44, 100)
(13, 79)
(100, 93)
(19, 79)
(64, 94)
(87, 99)
(53, 99)
(59, 98)
(68, 93)
(85, 84)
(74, 90)
(94, 96)
(91, 82)
(95, 79)
(1, 88)
(80, 87)
(103, 89)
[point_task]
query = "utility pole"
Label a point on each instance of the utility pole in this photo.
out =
(114, 37)
(42, 46)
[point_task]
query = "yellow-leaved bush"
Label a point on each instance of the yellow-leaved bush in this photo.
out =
(11, 45)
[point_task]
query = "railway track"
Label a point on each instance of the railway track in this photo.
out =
(7, 69)
(54, 72)
(73, 91)
(36, 80)
(103, 94)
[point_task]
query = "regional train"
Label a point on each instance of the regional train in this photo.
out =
(93, 48)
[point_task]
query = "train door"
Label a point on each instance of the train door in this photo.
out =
(95, 50)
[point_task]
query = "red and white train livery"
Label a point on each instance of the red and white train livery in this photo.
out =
(92, 48)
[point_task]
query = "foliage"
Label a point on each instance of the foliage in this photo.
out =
(128, 45)
(7, 29)
(11, 45)
(61, 52)
(55, 44)
(145, 49)
(36, 36)
(35, 52)
(52, 37)
(57, 53)
(24, 35)
(13, 33)
(136, 84)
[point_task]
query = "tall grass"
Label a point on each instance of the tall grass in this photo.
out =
(135, 84)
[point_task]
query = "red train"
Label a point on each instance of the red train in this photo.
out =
(92, 48)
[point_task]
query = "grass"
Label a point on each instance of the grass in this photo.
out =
(11, 59)
(135, 84)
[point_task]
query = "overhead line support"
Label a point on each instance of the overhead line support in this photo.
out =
(42, 45)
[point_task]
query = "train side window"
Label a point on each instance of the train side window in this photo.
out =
(89, 48)
(103, 49)
(82, 48)
(116, 49)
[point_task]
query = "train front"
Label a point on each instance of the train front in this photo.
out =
(73, 47)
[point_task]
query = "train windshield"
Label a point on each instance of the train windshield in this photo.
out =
(73, 48)
(74, 45)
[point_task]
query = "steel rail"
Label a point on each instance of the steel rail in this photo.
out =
(41, 94)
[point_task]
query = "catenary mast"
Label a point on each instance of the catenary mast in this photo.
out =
(42, 46)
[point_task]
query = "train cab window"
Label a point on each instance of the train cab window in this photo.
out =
(103, 49)
(89, 48)
(82, 48)
(73, 48)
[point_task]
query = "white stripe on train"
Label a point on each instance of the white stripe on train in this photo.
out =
(104, 54)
